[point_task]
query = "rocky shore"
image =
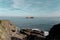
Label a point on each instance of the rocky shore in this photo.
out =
(9, 32)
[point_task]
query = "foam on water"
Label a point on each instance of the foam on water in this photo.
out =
(46, 33)
(36, 29)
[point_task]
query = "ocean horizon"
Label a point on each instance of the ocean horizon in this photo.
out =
(42, 23)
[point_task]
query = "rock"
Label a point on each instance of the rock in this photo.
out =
(34, 37)
(25, 31)
(15, 38)
(6, 28)
(30, 17)
(33, 34)
(9, 32)
(54, 33)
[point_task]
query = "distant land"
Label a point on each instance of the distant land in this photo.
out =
(30, 17)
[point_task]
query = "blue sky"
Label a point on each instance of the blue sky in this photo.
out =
(37, 8)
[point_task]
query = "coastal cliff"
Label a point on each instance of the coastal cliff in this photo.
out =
(6, 30)
(9, 32)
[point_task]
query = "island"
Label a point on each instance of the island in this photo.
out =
(30, 17)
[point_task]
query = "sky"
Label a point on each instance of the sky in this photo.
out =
(36, 8)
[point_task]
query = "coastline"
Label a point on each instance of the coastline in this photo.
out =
(22, 34)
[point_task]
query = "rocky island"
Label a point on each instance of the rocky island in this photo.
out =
(30, 17)
(9, 32)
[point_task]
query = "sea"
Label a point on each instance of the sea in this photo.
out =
(41, 23)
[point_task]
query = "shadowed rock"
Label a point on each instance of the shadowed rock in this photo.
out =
(54, 33)
(33, 34)
(34, 37)
(15, 38)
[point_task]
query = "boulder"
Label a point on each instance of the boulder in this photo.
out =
(25, 31)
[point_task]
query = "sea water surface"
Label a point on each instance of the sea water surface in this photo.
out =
(42, 23)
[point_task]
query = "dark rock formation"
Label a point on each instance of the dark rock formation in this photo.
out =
(15, 38)
(25, 31)
(33, 34)
(54, 33)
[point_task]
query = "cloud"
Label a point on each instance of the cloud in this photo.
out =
(5, 3)
(25, 4)
(20, 4)
(30, 7)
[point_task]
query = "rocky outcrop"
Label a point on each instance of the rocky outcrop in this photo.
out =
(9, 32)
(54, 33)
(33, 34)
(6, 30)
